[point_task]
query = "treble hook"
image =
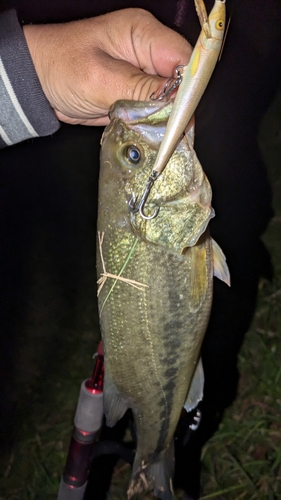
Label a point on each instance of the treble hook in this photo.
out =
(135, 207)
(167, 88)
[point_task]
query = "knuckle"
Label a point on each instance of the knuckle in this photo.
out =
(143, 89)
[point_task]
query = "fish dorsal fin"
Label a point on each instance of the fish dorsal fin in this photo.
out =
(114, 405)
(221, 270)
(195, 393)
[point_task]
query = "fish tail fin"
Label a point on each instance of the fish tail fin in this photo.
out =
(154, 474)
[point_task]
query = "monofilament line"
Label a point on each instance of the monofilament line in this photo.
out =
(104, 275)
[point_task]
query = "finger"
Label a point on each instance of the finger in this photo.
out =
(153, 47)
(121, 80)
(98, 120)
(159, 48)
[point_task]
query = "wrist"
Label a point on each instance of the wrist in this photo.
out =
(28, 113)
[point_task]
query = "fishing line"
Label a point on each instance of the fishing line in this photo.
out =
(117, 277)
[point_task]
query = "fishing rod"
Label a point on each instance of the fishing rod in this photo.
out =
(87, 423)
(84, 446)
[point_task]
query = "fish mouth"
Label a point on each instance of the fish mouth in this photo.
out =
(133, 204)
(193, 196)
(134, 200)
(179, 201)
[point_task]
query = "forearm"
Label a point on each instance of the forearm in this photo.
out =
(24, 110)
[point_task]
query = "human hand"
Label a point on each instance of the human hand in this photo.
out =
(84, 66)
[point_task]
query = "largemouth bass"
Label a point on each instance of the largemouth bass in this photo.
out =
(155, 286)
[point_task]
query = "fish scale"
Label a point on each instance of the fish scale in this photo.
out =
(148, 332)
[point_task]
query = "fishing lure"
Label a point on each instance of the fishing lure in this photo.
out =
(192, 84)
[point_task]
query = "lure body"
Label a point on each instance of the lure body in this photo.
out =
(195, 78)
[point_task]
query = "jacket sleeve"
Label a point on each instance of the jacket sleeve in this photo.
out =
(24, 110)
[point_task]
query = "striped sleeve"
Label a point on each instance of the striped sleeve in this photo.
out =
(24, 110)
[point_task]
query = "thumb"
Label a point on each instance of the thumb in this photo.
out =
(122, 80)
(119, 80)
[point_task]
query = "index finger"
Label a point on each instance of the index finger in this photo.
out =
(159, 49)
(145, 42)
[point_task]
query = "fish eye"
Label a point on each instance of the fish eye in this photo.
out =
(219, 24)
(133, 154)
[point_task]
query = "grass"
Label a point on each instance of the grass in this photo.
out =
(241, 461)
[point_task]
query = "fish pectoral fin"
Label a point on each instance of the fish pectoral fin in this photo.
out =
(221, 270)
(199, 275)
(195, 393)
(114, 404)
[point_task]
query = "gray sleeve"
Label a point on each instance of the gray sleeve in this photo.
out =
(24, 110)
